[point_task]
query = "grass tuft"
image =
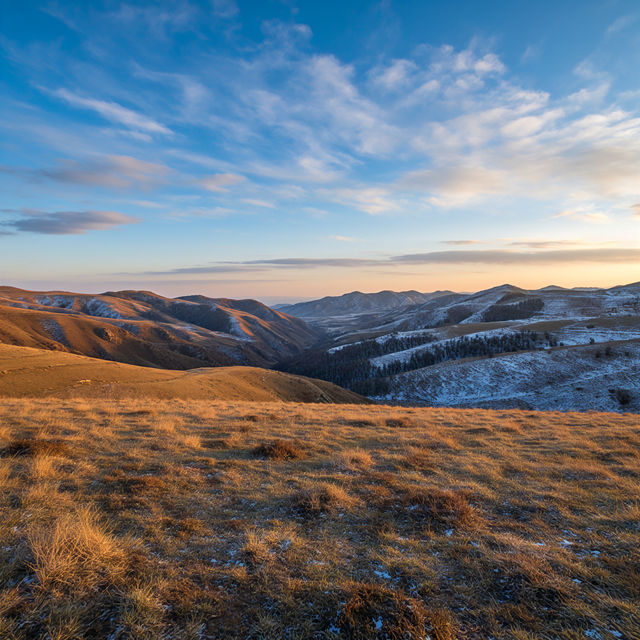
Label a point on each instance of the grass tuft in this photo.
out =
(76, 554)
(443, 508)
(279, 450)
(324, 498)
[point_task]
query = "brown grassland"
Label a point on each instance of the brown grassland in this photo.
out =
(166, 519)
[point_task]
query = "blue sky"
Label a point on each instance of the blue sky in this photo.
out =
(295, 149)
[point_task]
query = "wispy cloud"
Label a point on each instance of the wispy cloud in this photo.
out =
(532, 52)
(221, 181)
(621, 23)
(344, 238)
(119, 172)
(65, 222)
(612, 255)
(546, 244)
(114, 112)
(224, 8)
(259, 203)
(500, 257)
(585, 215)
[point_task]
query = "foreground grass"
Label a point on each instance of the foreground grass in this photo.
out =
(125, 519)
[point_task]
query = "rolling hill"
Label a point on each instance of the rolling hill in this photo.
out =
(140, 327)
(504, 347)
(39, 373)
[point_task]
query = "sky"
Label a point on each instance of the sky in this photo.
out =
(286, 150)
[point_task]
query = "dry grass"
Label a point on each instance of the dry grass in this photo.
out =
(325, 498)
(171, 520)
(279, 450)
(355, 459)
(34, 447)
(74, 553)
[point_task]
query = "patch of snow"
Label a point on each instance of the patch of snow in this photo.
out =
(54, 330)
(405, 356)
(61, 302)
(570, 378)
(382, 574)
(101, 309)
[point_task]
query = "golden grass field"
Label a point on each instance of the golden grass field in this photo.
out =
(38, 373)
(173, 519)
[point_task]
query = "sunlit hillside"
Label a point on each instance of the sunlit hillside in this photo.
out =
(191, 519)
(27, 372)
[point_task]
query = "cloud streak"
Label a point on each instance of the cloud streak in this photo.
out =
(501, 257)
(65, 222)
(221, 182)
(498, 257)
(114, 112)
(113, 171)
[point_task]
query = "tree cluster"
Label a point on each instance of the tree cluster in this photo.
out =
(351, 366)
(518, 311)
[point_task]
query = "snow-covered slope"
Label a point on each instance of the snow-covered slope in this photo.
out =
(563, 378)
(575, 335)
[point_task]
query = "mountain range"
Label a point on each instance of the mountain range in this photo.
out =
(143, 328)
(503, 347)
(357, 303)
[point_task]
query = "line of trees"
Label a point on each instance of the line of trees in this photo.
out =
(518, 311)
(351, 366)
(374, 347)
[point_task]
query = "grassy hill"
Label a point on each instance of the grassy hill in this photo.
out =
(180, 519)
(27, 372)
(143, 328)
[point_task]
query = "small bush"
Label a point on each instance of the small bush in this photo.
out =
(326, 498)
(279, 450)
(443, 508)
(623, 396)
(400, 423)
